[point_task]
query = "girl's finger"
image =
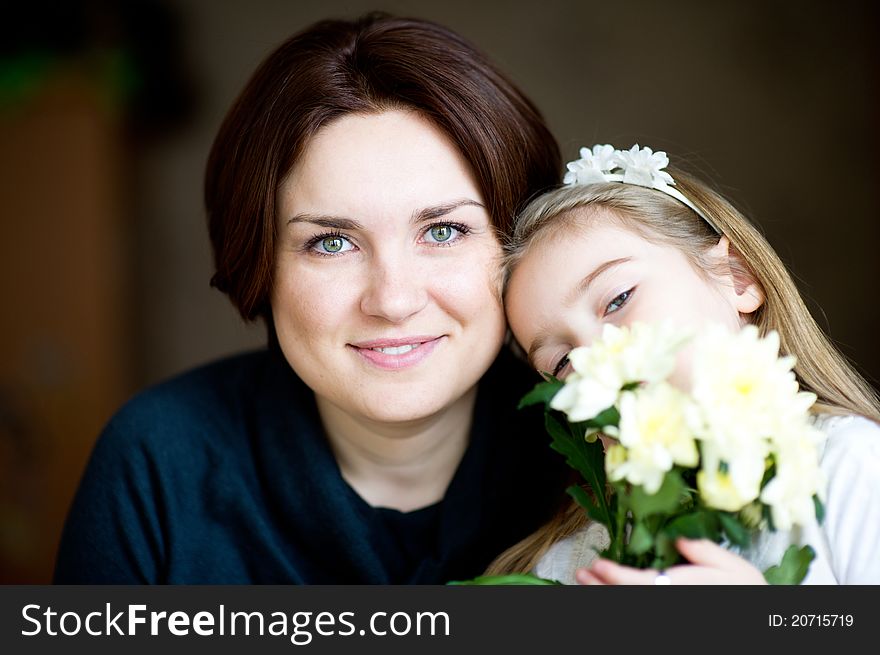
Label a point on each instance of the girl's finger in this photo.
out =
(708, 553)
(585, 577)
(726, 567)
(611, 573)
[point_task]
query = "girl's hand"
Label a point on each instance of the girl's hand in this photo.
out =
(710, 564)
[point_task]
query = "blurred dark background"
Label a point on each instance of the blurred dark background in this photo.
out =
(108, 109)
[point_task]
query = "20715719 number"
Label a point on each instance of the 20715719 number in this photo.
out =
(810, 620)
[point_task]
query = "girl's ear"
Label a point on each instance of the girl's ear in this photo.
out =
(748, 295)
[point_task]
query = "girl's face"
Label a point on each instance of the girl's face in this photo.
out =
(386, 268)
(570, 283)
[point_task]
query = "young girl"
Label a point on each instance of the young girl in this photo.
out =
(626, 241)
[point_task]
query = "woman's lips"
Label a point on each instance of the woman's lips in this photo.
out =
(396, 354)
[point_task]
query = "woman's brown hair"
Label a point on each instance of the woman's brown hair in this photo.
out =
(334, 68)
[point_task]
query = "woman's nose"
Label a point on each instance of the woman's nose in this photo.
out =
(396, 289)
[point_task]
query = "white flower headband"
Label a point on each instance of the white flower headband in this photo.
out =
(640, 166)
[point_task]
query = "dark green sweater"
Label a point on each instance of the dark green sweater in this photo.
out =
(223, 475)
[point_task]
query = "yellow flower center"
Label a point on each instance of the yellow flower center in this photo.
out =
(745, 386)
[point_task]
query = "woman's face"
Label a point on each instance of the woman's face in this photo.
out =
(570, 283)
(386, 267)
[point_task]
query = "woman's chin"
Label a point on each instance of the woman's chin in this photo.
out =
(402, 408)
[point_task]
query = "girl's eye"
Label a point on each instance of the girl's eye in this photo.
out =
(619, 301)
(560, 366)
(445, 233)
(330, 244)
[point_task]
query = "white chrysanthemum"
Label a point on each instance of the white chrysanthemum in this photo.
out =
(593, 165)
(641, 352)
(643, 167)
(750, 408)
(746, 393)
(652, 353)
(654, 430)
(797, 479)
(615, 457)
(584, 398)
(622, 355)
(731, 484)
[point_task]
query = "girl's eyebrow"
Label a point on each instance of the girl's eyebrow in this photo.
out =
(537, 344)
(420, 216)
(543, 336)
(585, 283)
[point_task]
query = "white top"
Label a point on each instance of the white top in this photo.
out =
(847, 543)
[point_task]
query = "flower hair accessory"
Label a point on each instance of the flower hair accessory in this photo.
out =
(639, 166)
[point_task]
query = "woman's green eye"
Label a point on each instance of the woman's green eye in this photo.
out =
(441, 233)
(333, 244)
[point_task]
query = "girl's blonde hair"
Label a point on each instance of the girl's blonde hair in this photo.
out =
(661, 219)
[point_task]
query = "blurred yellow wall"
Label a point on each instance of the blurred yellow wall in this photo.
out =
(64, 364)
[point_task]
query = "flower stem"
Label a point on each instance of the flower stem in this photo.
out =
(620, 532)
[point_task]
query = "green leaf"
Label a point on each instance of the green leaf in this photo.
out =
(641, 540)
(820, 509)
(583, 499)
(606, 417)
(695, 525)
(768, 516)
(666, 554)
(736, 532)
(586, 458)
(597, 514)
(793, 568)
(560, 435)
(542, 394)
(769, 471)
(510, 579)
(667, 499)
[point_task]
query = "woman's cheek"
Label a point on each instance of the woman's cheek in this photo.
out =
(310, 300)
(457, 287)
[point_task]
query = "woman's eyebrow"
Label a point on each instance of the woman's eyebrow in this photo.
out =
(420, 216)
(436, 211)
(588, 279)
(326, 220)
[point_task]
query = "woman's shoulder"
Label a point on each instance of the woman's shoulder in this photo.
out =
(176, 453)
(206, 406)
(201, 392)
(220, 377)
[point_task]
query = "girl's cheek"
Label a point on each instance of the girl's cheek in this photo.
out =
(681, 376)
(606, 441)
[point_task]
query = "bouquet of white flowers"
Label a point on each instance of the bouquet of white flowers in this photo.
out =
(733, 455)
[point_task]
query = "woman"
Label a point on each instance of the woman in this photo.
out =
(354, 193)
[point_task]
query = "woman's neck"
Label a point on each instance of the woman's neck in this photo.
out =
(404, 466)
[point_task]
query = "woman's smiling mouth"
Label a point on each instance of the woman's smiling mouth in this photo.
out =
(396, 354)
